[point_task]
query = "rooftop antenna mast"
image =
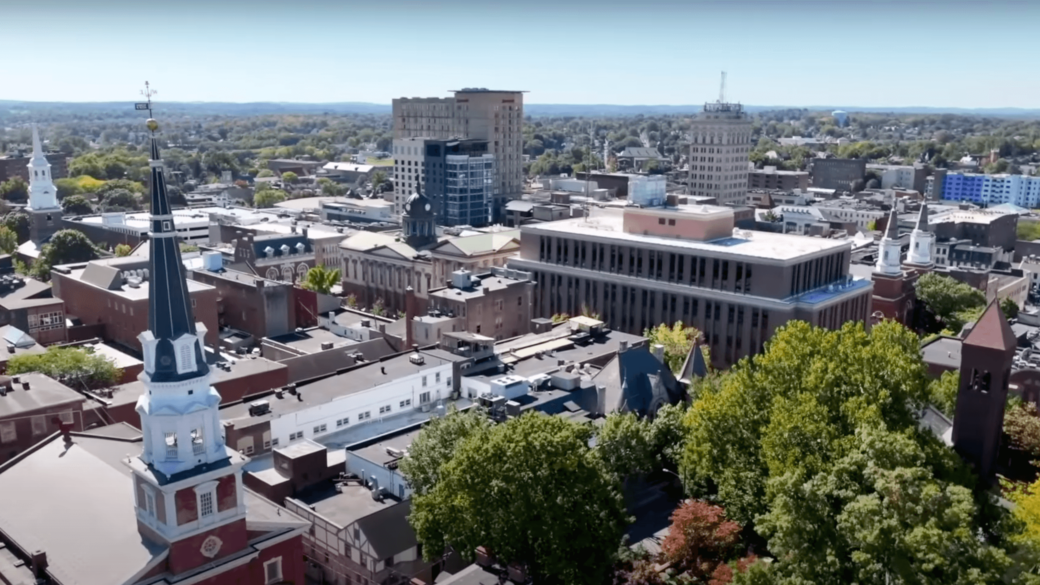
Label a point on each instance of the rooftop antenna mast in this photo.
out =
(147, 92)
(722, 89)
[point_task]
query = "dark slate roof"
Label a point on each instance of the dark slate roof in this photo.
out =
(636, 382)
(694, 366)
(892, 230)
(922, 218)
(992, 331)
(169, 309)
(275, 242)
(388, 531)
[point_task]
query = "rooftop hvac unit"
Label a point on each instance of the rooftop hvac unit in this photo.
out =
(417, 358)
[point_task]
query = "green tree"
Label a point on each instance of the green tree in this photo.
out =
(265, 173)
(188, 248)
(1028, 230)
(1009, 307)
(942, 392)
(436, 445)
(65, 247)
(677, 341)
(14, 189)
(290, 177)
(946, 298)
(625, 445)
(377, 180)
(119, 184)
(1022, 426)
(120, 199)
(123, 250)
(546, 502)
(268, 198)
(76, 205)
(321, 279)
(19, 224)
(72, 365)
(67, 187)
(8, 240)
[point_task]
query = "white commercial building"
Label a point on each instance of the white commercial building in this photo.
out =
(413, 381)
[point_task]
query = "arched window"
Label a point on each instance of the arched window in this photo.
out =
(272, 273)
(287, 273)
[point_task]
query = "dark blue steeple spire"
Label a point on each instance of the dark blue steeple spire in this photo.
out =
(170, 316)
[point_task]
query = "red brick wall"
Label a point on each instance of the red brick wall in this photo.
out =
(233, 390)
(252, 573)
(23, 427)
(96, 306)
(227, 498)
(186, 554)
(186, 505)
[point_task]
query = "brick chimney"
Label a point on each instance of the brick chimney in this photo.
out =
(409, 315)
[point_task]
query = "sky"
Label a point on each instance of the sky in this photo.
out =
(869, 53)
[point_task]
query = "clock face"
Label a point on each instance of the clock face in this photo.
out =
(165, 360)
(427, 207)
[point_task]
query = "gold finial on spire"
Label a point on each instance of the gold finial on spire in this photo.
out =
(148, 92)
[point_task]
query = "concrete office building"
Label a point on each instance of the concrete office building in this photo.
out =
(771, 178)
(837, 173)
(720, 143)
(494, 116)
(642, 267)
(902, 176)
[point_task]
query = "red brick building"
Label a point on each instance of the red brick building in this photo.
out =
(113, 293)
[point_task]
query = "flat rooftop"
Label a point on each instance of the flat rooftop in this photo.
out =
(376, 450)
(608, 224)
(944, 352)
(309, 341)
(246, 366)
(343, 508)
(43, 393)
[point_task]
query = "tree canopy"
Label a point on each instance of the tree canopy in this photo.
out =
(76, 205)
(268, 197)
(65, 247)
(8, 240)
(72, 365)
(677, 340)
(816, 442)
(14, 189)
(18, 222)
(951, 302)
(531, 491)
(321, 279)
(436, 445)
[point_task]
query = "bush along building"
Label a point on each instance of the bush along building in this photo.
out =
(166, 505)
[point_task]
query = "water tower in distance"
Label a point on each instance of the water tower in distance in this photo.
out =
(842, 118)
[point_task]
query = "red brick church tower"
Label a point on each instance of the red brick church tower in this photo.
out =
(986, 357)
(894, 292)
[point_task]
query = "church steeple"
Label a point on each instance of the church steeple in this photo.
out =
(42, 193)
(890, 251)
(179, 415)
(921, 240)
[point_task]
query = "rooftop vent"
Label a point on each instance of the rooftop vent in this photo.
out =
(417, 358)
(326, 345)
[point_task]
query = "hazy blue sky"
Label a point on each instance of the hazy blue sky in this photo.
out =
(952, 53)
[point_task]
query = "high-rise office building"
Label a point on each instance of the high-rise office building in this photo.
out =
(720, 146)
(494, 116)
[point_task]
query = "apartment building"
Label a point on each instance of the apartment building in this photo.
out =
(771, 178)
(642, 267)
(902, 176)
(495, 116)
(986, 190)
(720, 144)
(496, 304)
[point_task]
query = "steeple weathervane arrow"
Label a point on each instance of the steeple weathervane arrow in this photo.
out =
(147, 92)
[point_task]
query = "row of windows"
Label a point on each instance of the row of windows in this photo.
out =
(39, 425)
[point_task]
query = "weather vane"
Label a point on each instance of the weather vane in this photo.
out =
(148, 92)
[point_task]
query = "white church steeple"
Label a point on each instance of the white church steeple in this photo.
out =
(42, 193)
(889, 251)
(921, 240)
